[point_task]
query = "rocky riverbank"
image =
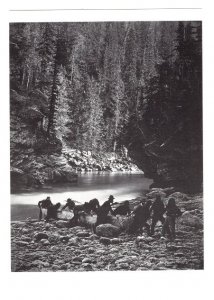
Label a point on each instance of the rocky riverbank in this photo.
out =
(38, 159)
(30, 170)
(39, 246)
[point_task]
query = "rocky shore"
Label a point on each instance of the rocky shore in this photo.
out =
(39, 246)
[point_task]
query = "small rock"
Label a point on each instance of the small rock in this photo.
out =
(140, 239)
(87, 260)
(100, 252)
(22, 243)
(88, 267)
(40, 263)
(45, 242)
(26, 238)
(105, 240)
(160, 264)
(77, 259)
(73, 242)
(63, 267)
(123, 266)
(122, 260)
(61, 224)
(93, 237)
(64, 239)
(113, 250)
(91, 250)
(82, 234)
(115, 241)
(40, 235)
(55, 268)
(179, 254)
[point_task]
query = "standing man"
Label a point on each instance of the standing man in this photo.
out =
(141, 216)
(157, 210)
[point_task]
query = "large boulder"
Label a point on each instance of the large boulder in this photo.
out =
(61, 224)
(167, 191)
(191, 220)
(107, 230)
(179, 196)
(156, 192)
(122, 222)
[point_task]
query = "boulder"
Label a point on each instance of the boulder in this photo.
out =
(105, 241)
(167, 191)
(191, 220)
(122, 222)
(179, 196)
(61, 224)
(107, 230)
(40, 235)
(156, 192)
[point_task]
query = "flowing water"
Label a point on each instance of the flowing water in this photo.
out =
(124, 186)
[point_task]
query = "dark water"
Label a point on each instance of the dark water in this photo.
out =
(123, 186)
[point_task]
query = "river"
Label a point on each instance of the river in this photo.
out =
(123, 186)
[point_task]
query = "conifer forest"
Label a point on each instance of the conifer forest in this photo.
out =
(106, 87)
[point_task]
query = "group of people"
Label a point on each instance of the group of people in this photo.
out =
(141, 214)
(155, 211)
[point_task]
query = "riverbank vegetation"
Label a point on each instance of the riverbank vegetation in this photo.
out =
(106, 87)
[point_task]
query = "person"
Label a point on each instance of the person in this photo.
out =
(122, 209)
(52, 212)
(44, 204)
(141, 215)
(172, 212)
(77, 209)
(70, 204)
(157, 210)
(103, 211)
(93, 205)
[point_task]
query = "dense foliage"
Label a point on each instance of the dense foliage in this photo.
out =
(102, 86)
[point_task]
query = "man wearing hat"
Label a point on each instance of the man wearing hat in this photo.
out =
(103, 211)
(70, 204)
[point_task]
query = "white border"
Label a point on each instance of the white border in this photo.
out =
(104, 285)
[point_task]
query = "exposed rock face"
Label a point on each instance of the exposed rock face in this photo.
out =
(35, 157)
(38, 159)
(176, 165)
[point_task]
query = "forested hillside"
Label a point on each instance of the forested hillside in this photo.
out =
(104, 87)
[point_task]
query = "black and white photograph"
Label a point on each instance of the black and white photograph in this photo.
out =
(106, 146)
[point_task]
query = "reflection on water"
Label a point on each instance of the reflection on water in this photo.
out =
(90, 185)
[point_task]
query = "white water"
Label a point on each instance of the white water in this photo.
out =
(123, 186)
